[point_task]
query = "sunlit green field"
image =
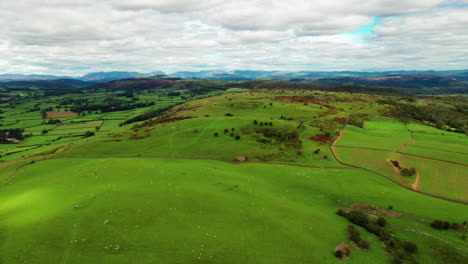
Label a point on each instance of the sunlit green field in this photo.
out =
(441, 164)
(182, 211)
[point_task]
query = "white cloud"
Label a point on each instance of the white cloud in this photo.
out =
(74, 37)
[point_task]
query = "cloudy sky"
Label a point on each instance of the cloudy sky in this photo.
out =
(73, 37)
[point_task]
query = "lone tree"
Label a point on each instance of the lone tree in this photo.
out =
(216, 134)
(237, 137)
(255, 122)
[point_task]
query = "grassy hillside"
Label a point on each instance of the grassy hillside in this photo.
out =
(179, 211)
(229, 176)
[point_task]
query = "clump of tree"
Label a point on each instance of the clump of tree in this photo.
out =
(355, 236)
(400, 251)
(148, 115)
(445, 225)
(53, 121)
(9, 136)
(357, 120)
(453, 117)
(89, 134)
(408, 172)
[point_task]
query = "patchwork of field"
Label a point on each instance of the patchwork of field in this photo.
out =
(441, 164)
(66, 125)
(190, 211)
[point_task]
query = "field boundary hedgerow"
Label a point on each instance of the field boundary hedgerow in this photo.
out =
(335, 155)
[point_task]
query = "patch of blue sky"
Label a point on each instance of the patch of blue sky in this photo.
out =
(451, 3)
(364, 34)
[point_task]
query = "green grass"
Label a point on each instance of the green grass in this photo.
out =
(385, 125)
(353, 139)
(438, 154)
(462, 140)
(176, 211)
(441, 146)
(439, 178)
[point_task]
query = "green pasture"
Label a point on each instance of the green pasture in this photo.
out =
(382, 133)
(354, 139)
(439, 178)
(438, 154)
(183, 211)
(441, 146)
(461, 139)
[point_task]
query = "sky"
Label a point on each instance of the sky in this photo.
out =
(74, 37)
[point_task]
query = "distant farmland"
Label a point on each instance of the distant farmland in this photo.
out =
(61, 114)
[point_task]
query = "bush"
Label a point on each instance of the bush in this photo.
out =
(395, 163)
(381, 221)
(410, 247)
(455, 226)
(341, 212)
(353, 234)
(237, 137)
(364, 244)
(229, 114)
(255, 122)
(216, 134)
(375, 229)
(408, 172)
(339, 254)
(88, 134)
(358, 217)
(316, 151)
(441, 225)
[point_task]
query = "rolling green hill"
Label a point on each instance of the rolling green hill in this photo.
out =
(232, 175)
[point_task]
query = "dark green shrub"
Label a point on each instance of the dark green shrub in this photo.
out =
(364, 244)
(410, 247)
(358, 217)
(381, 221)
(88, 134)
(353, 234)
(339, 254)
(441, 225)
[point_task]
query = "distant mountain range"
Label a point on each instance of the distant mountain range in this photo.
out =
(284, 75)
(460, 75)
(414, 82)
(94, 76)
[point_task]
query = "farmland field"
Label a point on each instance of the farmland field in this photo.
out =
(441, 172)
